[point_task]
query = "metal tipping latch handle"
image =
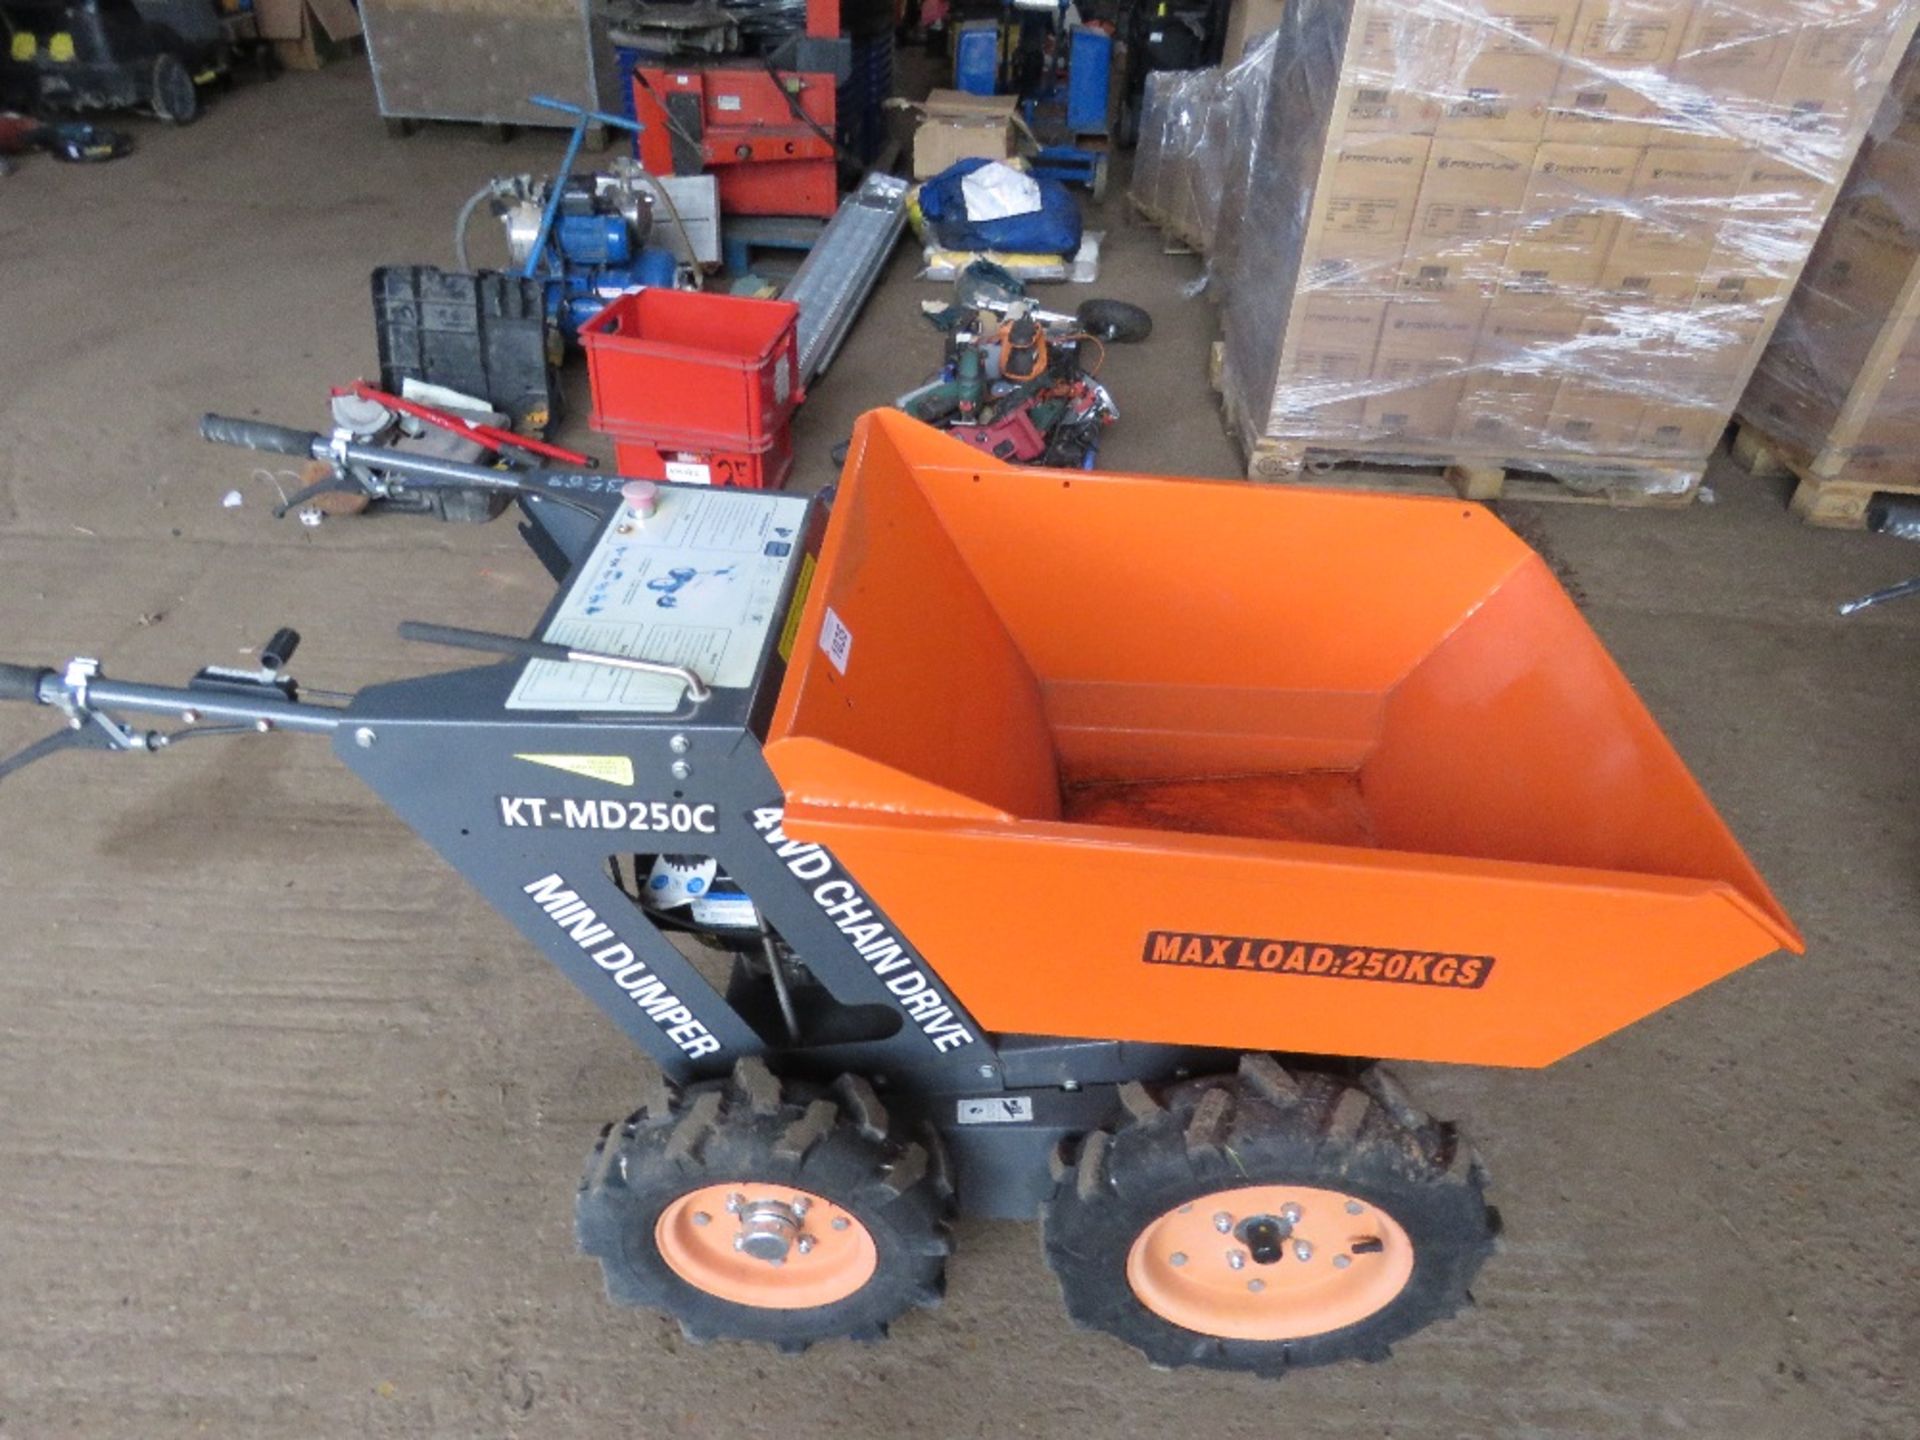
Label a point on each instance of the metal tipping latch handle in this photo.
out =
(452, 635)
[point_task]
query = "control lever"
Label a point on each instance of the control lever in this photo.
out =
(457, 638)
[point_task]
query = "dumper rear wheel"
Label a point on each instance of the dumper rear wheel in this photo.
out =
(755, 1209)
(1269, 1220)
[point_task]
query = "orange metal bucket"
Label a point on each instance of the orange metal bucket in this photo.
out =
(1265, 767)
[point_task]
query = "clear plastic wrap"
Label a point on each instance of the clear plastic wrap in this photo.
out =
(1150, 147)
(1174, 115)
(1196, 126)
(1837, 390)
(1535, 232)
(1245, 110)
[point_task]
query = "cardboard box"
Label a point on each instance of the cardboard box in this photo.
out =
(1633, 279)
(1678, 201)
(1420, 368)
(1714, 351)
(1395, 65)
(1362, 211)
(1826, 85)
(1332, 337)
(1576, 200)
(1671, 429)
(1505, 70)
(1773, 221)
(1326, 358)
(1470, 203)
(1370, 104)
(1865, 253)
(956, 126)
(1594, 419)
(1247, 21)
(1609, 91)
(306, 34)
(1735, 49)
(1622, 35)
(1368, 188)
(1524, 349)
(1627, 347)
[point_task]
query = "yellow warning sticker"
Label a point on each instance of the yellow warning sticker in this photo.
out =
(614, 769)
(792, 626)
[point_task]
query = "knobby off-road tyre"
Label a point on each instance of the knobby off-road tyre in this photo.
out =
(1356, 1218)
(653, 1208)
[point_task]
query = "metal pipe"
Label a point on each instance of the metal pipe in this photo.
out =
(105, 694)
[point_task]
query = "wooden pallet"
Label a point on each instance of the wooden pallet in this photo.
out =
(1838, 500)
(1620, 482)
(1174, 238)
(1625, 482)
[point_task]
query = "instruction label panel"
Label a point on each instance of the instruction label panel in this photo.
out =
(696, 584)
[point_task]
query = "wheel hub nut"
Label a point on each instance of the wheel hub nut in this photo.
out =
(768, 1230)
(1265, 1237)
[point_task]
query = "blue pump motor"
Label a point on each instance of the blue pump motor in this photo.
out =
(582, 292)
(593, 239)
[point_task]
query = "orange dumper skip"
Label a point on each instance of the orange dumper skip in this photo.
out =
(1267, 768)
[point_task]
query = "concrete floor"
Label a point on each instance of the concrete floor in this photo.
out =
(289, 1121)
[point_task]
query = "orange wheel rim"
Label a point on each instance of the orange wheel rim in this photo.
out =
(1270, 1262)
(770, 1246)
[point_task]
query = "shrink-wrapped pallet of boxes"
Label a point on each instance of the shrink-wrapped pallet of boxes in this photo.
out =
(1544, 236)
(1836, 396)
(1197, 129)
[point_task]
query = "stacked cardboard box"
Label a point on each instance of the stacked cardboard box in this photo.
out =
(1551, 232)
(1838, 389)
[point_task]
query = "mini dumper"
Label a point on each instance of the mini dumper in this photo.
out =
(1025, 843)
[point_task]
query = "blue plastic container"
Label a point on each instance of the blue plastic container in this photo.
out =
(976, 57)
(1089, 82)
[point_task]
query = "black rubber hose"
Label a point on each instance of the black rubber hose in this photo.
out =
(465, 218)
(22, 682)
(258, 435)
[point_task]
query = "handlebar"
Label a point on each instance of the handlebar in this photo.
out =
(22, 682)
(620, 122)
(258, 435)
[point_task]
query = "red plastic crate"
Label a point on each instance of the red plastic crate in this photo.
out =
(708, 372)
(648, 459)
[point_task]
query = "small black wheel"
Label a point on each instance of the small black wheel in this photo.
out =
(1114, 321)
(753, 1209)
(399, 127)
(1269, 1221)
(171, 91)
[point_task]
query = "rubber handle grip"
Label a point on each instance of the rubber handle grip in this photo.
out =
(258, 435)
(22, 682)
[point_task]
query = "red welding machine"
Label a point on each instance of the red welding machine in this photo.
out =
(766, 135)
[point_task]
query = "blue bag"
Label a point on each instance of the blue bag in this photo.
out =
(1053, 229)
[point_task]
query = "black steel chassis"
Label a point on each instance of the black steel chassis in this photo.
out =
(448, 757)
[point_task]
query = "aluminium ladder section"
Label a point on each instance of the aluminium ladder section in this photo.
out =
(833, 282)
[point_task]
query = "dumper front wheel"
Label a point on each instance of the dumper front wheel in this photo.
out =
(1270, 1220)
(753, 1209)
